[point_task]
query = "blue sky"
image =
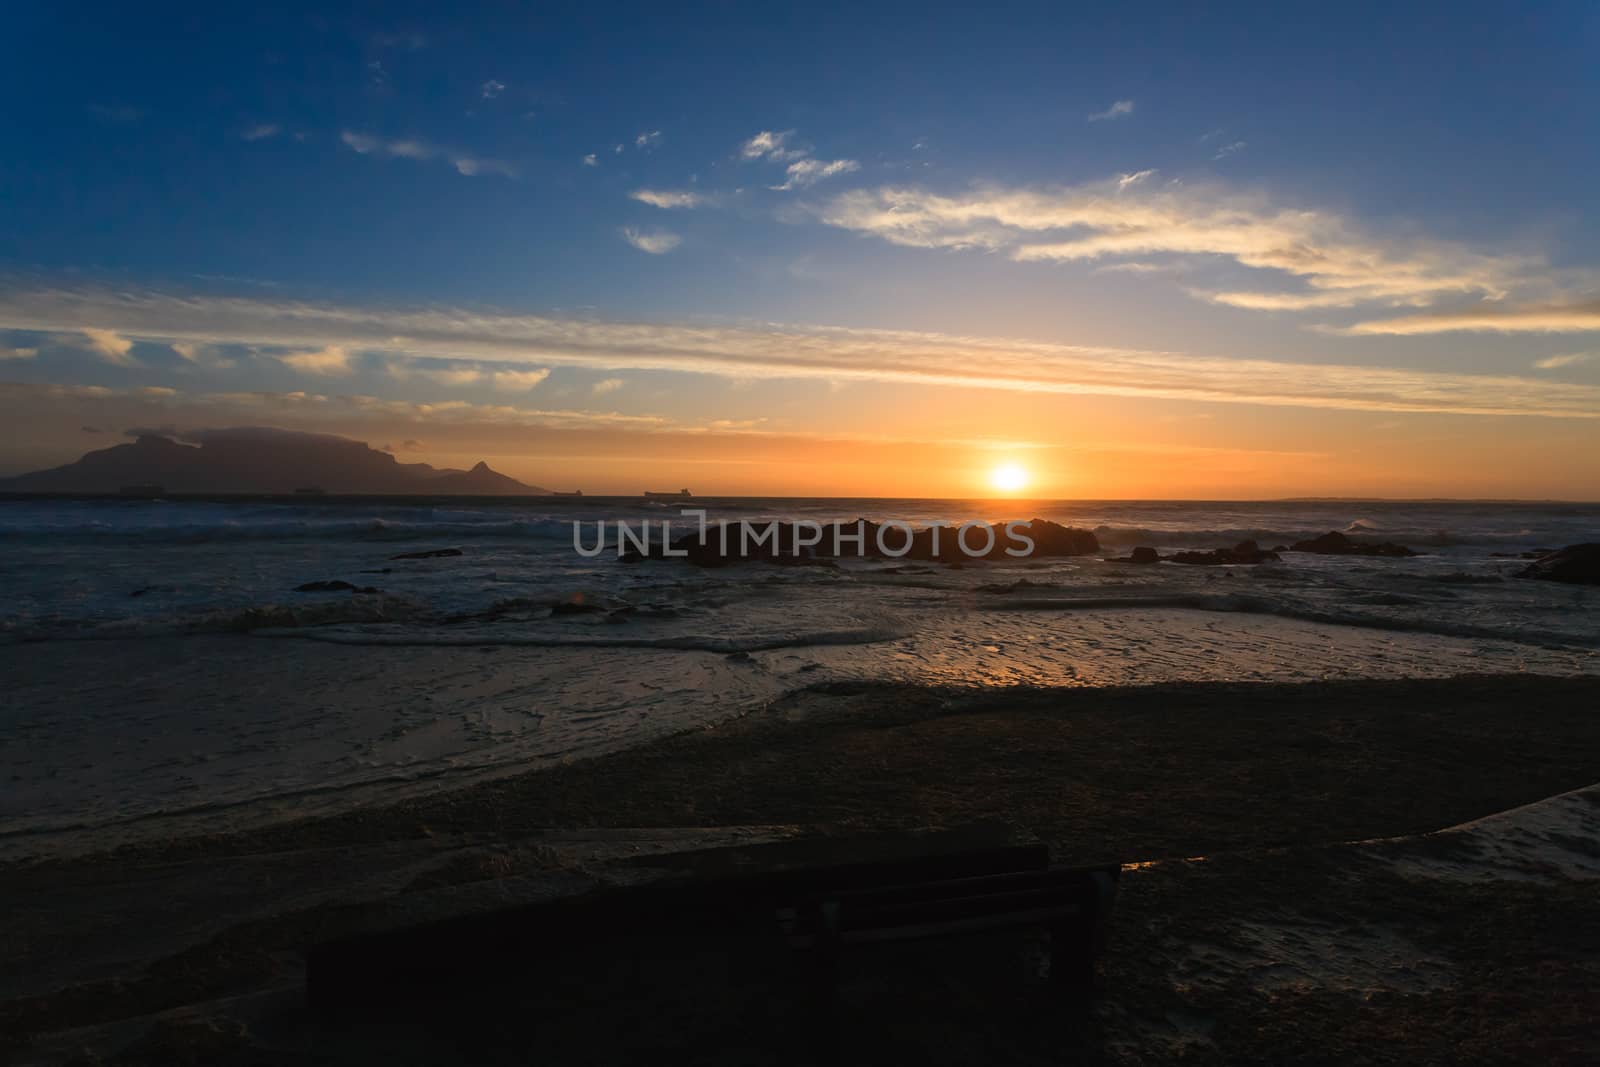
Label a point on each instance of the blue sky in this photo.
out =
(594, 214)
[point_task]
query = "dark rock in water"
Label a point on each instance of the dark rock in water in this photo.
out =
(1054, 539)
(1142, 554)
(1018, 586)
(380, 570)
(1280, 548)
(576, 607)
(1334, 543)
(432, 553)
(335, 586)
(1244, 552)
(1576, 564)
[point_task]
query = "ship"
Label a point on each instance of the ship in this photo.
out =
(680, 492)
(575, 492)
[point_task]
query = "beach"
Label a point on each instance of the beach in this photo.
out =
(1277, 901)
(211, 769)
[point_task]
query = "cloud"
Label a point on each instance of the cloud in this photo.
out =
(1228, 149)
(469, 166)
(810, 171)
(663, 198)
(17, 353)
(186, 351)
(1117, 110)
(656, 242)
(325, 332)
(110, 347)
(330, 360)
(262, 132)
(1491, 318)
(590, 160)
(492, 88)
(647, 140)
(771, 146)
(1339, 265)
(1571, 359)
(1135, 178)
(452, 376)
(607, 385)
(520, 381)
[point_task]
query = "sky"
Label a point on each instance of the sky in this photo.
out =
(861, 249)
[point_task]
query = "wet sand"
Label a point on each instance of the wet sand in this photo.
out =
(1308, 933)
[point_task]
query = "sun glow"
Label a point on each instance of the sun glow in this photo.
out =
(1008, 478)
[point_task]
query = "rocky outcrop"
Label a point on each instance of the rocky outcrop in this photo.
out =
(431, 553)
(1245, 552)
(1575, 564)
(1142, 554)
(1334, 543)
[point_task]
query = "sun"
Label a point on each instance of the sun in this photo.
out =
(1008, 478)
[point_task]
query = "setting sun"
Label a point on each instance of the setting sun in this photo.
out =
(1008, 478)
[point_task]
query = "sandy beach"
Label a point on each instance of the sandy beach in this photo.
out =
(1287, 890)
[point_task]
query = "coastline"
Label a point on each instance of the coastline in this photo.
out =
(1148, 775)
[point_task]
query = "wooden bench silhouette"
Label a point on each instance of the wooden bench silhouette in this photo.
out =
(819, 897)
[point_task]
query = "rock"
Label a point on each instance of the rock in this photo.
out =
(335, 586)
(1054, 539)
(1334, 543)
(432, 553)
(1142, 554)
(1245, 552)
(569, 608)
(1575, 564)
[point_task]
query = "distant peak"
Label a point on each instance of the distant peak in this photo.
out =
(482, 467)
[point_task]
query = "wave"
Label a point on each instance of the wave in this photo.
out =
(1240, 603)
(1268, 537)
(862, 635)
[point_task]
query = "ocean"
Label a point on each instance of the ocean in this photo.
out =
(164, 664)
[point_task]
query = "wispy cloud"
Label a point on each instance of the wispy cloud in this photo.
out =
(323, 334)
(804, 172)
(666, 198)
(1338, 264)
(1491, 318)
(1228, 149)
(110, 346)
(519, 381)
(656, 242)
(330, 361)
(606, 385)
(491, 89)
(648, 139)
(590, 160)
(17, 353)
(1571, 359)
(772, 145)
(1117, 110)
(409, 148)
(262, 132)
(1135, 178)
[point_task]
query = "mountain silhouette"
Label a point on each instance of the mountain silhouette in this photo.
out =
(258, 459)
